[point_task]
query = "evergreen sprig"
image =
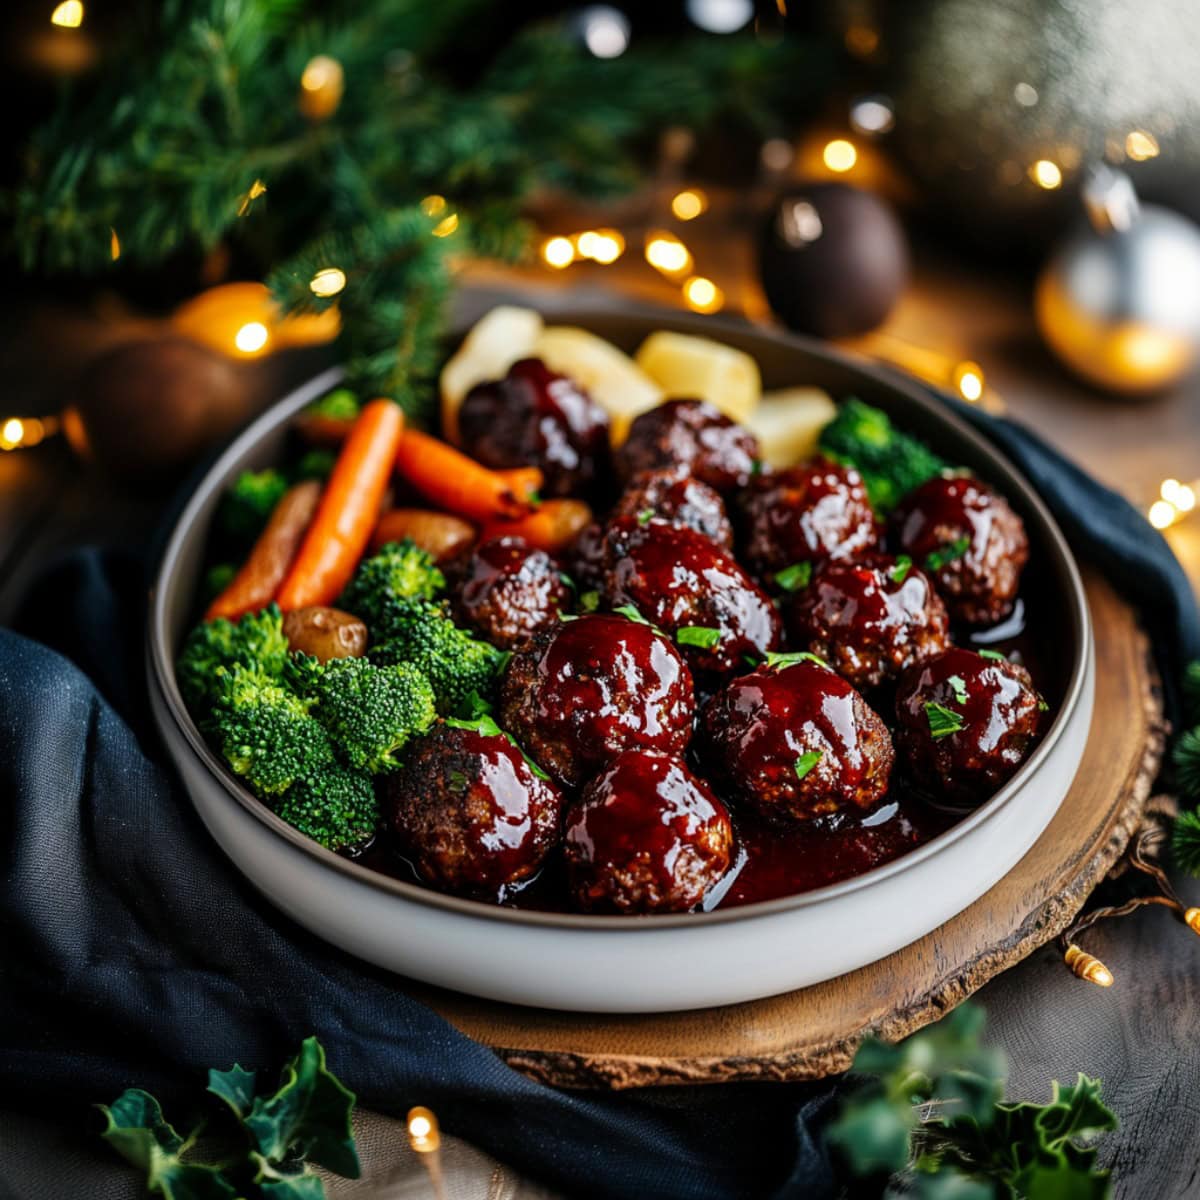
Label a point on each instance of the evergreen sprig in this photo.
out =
(200, 102)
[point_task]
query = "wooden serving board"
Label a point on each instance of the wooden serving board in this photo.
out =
(813, 1032)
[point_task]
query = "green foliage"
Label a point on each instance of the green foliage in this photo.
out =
(457, 664)
(384, 584)
(249, 502)
(1185, 758)
(929, 1118)
(267, 733)
(339, 405)
(1185, 841)
(268, 1155)
(891, 462)
(213, 648)
(1191, 689)
(200, 102)
(216, 579)
(314, 464)
(372, 711)
(335, 806)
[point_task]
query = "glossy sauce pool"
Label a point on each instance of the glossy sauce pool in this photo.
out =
(773, 862)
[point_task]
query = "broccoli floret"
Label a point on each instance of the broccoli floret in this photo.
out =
(891, 463)
(213, 648)
(339, 405)
(335, 807)
(384, 584)
(314, 464)
(267, 733)
(453, 661)
(372, 711)
(249, 502)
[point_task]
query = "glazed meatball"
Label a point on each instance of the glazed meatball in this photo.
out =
(868, 620)
(692, 434)
(509, 591)
(584, 558)
(797, 742)
(969, 540)
(693, 590)
(647, 836)
(583, 691)
(806, 514)
(965, 723)
(470, 813)
(535, 417)
(674, 496)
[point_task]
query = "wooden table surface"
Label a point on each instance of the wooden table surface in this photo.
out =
(1140, 1035)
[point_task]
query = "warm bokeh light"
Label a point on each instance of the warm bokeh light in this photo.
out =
(252, 337)
(968, 380)
(1140, 145)
(68, 15)
(320, 72)
(328, 281)
(321, 85)
(12, 433)
(446, 226)
(431, 206)
(872, 114)
(839, 155)
(666, 253)
(703, 295)
(1181, 495)
(600, 245)
(1162, 514)
(689, 204)
(1046, 174)
(558, 252)
(423, 1133)
(114, 245)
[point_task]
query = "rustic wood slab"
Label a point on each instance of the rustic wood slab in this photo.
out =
(813, 1032)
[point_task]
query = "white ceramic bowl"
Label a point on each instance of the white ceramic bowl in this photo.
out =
(658, 963)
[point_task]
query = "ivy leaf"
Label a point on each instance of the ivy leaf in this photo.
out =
(235, 1087)
(780, 662)
(795, 577)
(943, 721)
(309, 1117)
(703, 636)
(136, 1129)
(945, 555)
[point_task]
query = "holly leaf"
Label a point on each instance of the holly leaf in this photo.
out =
(136, 1129)
(309, 1117)
(950, 1184)
(235, 1087)
(873, 1134)
(276, 1183)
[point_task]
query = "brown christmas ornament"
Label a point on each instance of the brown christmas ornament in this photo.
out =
(148, 408)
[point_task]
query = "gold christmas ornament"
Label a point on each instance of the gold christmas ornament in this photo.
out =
(1119, 302)
(321, 86)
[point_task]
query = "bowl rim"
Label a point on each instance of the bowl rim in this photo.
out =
(161, 672)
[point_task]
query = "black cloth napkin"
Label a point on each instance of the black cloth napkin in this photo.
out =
(134, 954)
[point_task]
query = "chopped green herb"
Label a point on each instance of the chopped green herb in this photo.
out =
(780, 661)
(943, 721)
(959, 687)
(993, 654)
(899, 572)
(938, 559)
(645, 516)
(806, 762)
(703, 636)
(589, 601)
(795, 577)
(756, 467)
(478, 705)
(458, 780)
(532, 765)
(1042, 705)
(567, 581)
(484, 723)
(627, 610)
(751, 661)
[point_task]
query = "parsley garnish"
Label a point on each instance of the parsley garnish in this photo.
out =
(645, 516)
(943, 721)
(627, 610)
(806, 762)
(959, 687)
(486, 725)
(703, 636)
(938, 559)
(899, 572)
(589, 601)
(1042, 705)
(568, 581)
(458, 780)
(795, 577)
(993, 654)
(780, 661)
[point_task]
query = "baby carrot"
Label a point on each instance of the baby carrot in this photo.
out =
(526, 482)
(264, 570)
(455, 482)
(348, 510)
(551, 526)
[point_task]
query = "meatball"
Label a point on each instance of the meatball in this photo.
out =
(674, 496)
(969, 540)
(535, 417)
(693, 590)
(584, 558)
(869, 620)
(509, 591)
(583, 691)
(965, 723)
(692, 434)
(470, 812)
(795, 741)
(806, 514)
(647, 836)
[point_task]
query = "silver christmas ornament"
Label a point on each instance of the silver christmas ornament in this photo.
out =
(1119, 301)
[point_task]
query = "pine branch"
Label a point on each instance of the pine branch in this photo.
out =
(1191, 690)
(1186, 761)
(1185, 842)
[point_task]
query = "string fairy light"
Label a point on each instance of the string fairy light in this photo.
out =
(558, 252)
(666, 253)
(425, 1138)
(703, 295)
(67, 15)
(839, 155)
(23, 433)
(1046, 174)
(689, 204)
(322, 83)
(328, 281)
(446, 226)
(433, 205)
(1175, 501)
